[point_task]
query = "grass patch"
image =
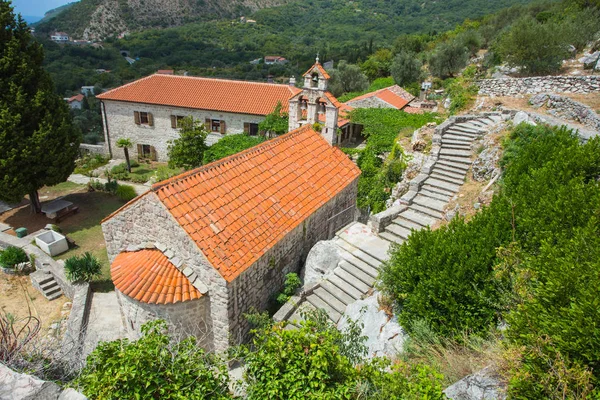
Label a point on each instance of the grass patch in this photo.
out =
(88, 163)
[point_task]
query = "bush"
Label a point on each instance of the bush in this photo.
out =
(119, 169)
(111, 186)
(163, 173)
(230, 145)
(12, 256)
(153, 367)
(292, 283)
(82, 269)
(126, 192)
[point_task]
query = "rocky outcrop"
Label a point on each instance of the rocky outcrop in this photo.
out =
(322, 259)
(16, 386)
(539, 84)
(384, 336)
(482, 385)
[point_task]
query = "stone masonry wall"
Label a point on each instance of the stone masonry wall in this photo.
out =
(539, 84)
(254, 287)
(121, 124)
(187, 318)
(147, 220)
(370, 102)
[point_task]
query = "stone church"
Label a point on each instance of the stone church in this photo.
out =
(205, 247)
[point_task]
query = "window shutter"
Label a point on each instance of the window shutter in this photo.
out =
(207, 124)
(150, 120)
(140, 151)
(246, 127)
(173, 121)
(223, 129)
(136, 117)
(152, 153)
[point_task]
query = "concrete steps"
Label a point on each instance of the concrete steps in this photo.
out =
(449, 187)
(426, 211)
(451, 174)
(456, 168)
(428, 202)
(447, 178)
(45, 283)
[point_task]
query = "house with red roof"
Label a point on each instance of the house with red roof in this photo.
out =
(75, 101)
(389, 97)
(205, 247)
(148, 111)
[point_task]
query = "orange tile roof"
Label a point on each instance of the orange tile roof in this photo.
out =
(149, 277)
(393, 95)
(240, 97)
(321, 70)
(237, 208)
(77, 97)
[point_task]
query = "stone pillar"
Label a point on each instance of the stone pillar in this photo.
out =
(329, 131)
(311, 113)
(294, 110)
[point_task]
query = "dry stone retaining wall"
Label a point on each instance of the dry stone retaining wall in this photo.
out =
(539, 84)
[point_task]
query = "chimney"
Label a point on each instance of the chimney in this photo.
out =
(292, 81)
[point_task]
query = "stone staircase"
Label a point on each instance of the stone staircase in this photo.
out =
(444, 180)
(363, 251)
(45, 283)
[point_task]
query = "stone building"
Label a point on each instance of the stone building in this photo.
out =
(147, 111)
(205, 247)
(389, 97)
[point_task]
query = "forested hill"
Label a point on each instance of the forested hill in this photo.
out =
(97, 19)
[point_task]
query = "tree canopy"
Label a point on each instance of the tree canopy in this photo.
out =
(38, 143)
(187, 151)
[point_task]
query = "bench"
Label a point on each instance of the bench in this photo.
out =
(64, 214)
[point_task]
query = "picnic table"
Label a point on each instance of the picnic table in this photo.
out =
(59, 209)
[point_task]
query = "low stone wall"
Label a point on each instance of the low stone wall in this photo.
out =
(72, 344)
(539, 84)
(16, 386)
(567, 108)
(93, 148)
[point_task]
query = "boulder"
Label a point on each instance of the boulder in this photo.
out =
(16, 386)
(321, 260)
(385, 337)
(482, 385)
(590, 61)
(539, 100)
(485, 167)
(521, 117)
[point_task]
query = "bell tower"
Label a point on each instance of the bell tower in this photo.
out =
(315, 105)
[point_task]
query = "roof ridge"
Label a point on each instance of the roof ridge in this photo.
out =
(101, 95)
(217, 163)
(217, 79)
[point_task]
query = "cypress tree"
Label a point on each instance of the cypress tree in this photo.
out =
(38, 143)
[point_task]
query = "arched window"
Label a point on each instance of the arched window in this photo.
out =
(314, 81)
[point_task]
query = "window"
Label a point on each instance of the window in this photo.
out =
(176, 121)
(145, 151)
(143, 118)
(250, 128)
(215, 125)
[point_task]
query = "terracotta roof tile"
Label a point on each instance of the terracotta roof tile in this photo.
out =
(149, 277)
(393, 95)
(204, 93)
(276, 186)
(320, 68)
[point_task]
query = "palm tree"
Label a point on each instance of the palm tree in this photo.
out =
(125, 144)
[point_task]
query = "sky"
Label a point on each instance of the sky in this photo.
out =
(37, 8)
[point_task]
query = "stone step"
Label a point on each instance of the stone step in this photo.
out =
(47, 278)
(447, 178)
(51, 284)
(428, 202)
(426, 211)
(52, 291)
(344, 286)
(455, 153)
(400, 231)
(437, 196)
(417, 217)
(495, 118)
(466, 147)
(478, 124)
(406, 223)
(53, 296)
(459, 160)
(458, 169)
(331, 300)
(390, 237)
(366, 278)
(361, 237)
(485, 121)
(338, 293)
(347, 248)
(352, 281)
(470, 127)
(457, 138)
(317, 302)
(450, 187)
(457, 132)
(372, 270)
(452, 174)
(438, 190)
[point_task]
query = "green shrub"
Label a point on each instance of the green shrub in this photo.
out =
(134, 163)
(11, 256)
(292, 283)
(230, 145)
(82, 269)
(163, 173)
(153, 367)
(111, 186)
(126, 192)
(119, 169)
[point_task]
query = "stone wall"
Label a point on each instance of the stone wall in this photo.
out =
(16, 386)
(255, 287)
(121, 124)
(93, 148)
(539, 84)
(147, 220)
(72, 343)
(186, 318)
(567, 108)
